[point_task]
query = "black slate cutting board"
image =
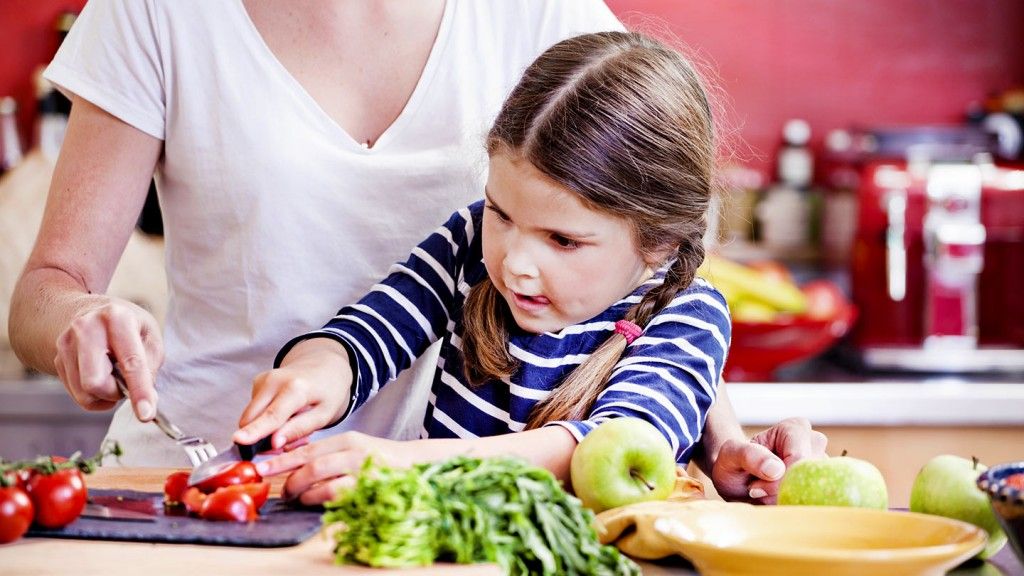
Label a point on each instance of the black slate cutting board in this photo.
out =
(279, 525)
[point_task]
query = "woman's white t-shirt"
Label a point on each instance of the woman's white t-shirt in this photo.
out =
(274, 216)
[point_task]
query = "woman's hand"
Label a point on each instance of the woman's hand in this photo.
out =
(752, 470)
(307, 392)
(117, 330)
(321, 468)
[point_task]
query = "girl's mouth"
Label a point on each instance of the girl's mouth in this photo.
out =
(530, 303)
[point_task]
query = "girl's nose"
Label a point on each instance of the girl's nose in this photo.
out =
(518, 261)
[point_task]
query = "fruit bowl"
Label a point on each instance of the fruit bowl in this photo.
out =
(1007, 497)
(759, 348)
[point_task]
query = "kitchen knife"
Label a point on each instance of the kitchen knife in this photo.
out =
(227, 459)
(103, 512)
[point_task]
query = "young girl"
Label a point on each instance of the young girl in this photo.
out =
(565, 298)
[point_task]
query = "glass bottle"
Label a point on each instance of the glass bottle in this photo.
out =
(10, 140)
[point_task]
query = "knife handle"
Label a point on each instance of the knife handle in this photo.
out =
(249, 451)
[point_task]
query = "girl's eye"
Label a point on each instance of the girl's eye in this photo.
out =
(563, 242)
(501, 215)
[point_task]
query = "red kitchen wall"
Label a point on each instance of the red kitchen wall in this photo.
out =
(838, 63)
(835, 63)
(27, 40)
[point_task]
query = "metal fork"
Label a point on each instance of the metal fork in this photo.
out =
(196, 448)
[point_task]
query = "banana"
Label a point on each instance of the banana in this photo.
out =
(738, 282)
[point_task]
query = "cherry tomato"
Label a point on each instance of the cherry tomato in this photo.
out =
(58, 498)
(193, 500)
(174, 487)
(16, 512)
(229, 505)
(20, 477)
(258, 491)
(239, 473)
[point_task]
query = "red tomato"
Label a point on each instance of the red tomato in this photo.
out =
(824, 300)
(20, 477)
(1016, 481)
(193, 500)
(229, 505)
(58, 498)
(174, 487)
(16, 512)
(258, 491)
(240, 473)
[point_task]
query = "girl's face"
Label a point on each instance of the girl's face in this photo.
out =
(555, 261)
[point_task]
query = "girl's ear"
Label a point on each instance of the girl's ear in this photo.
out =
(655, 259)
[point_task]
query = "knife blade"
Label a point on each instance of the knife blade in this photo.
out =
(228, 458)
(103, 512)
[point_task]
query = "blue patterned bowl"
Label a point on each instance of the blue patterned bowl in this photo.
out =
(1004, 485)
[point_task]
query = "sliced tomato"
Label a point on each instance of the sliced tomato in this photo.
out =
(193, 499)
(258, 491)
(239, 473)
(16, 513)
(229, 505)
(174, 488)
(58, 498)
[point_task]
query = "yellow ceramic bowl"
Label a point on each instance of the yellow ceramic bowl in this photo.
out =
(816, 540)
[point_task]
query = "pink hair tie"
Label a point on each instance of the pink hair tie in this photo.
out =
(629, 330)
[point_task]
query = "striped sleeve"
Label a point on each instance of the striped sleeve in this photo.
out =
(670, 375)
(401, 316)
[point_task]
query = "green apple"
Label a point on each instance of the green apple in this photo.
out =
(622, 461)
(839, 481)
(945, 486)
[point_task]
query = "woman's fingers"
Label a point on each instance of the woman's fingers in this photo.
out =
(124, 333)
(84, 352)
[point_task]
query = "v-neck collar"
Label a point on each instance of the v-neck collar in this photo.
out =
(408, 111)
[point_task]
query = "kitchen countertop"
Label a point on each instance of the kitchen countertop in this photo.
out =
(829, 394)
(32, 556)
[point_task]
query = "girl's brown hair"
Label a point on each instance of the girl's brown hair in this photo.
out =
(625, 123)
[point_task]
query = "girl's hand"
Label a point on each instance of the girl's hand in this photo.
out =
(115, 329)
(751, 471)
(321, 468)
(309, 391)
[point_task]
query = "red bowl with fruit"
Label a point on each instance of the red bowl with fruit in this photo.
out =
(759, 348)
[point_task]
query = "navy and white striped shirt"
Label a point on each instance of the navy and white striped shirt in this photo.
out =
(668, 376)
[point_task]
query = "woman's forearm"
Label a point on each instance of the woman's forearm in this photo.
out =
(44, 300)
